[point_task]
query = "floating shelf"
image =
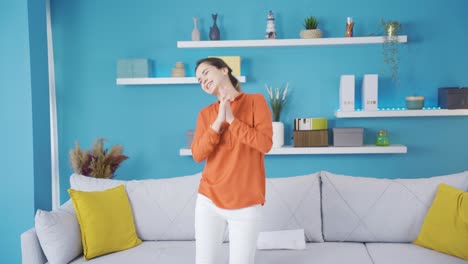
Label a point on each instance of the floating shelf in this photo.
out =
(290, 150)
(164, 80)
(285, 42)
(402, 113)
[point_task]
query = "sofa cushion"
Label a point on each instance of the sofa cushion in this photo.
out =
(183, 252)
(59, 234)
(163, 209)
(445, 227)
(106, 221)
(293, 203)
(154, 252)
(378, 210)
(407, 253)
(317, 253)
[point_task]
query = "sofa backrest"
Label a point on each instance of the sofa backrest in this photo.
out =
(164, 209)
(293, 203)
(367, 209)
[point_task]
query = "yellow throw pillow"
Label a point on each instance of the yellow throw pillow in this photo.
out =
(106, 221)
(445, 227)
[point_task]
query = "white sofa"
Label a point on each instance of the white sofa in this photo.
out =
(346, 219)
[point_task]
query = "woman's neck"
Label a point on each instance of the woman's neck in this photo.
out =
(230, 92)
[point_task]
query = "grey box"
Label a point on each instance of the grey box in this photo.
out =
(348, 136)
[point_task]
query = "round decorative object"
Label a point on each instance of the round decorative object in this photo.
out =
(311, 33)
(178, 70)
(382, 138)
(278, 134)
(414, 102)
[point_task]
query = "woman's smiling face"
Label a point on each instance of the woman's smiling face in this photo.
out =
(210, 77)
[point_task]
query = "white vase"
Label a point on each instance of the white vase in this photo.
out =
(278, 134)
(195, 31)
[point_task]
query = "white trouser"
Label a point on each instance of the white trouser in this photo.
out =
(210, 222)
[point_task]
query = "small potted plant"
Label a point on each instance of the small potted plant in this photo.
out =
(391, 47)
(97, 162)
(311, 30)
(278, 99)
(391, 28)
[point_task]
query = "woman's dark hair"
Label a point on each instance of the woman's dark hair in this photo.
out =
(219, 63)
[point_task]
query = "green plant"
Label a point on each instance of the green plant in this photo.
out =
(311, 23)
(391, 48)
(278, 99)
(97, 162)
(391, 27)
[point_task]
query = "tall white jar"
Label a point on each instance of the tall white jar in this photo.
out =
(278, 134)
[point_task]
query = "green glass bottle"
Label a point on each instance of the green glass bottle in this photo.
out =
(382, 138)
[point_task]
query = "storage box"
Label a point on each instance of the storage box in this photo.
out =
(453, 97)
(134, 68)
(310, 123)
(370, 86)
(234, 62)
(348, 136)
(347, 93)
(310, 138)
(189, 138)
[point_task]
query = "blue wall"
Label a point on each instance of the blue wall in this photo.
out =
(24, 117)
(40, 104)
(151, 121)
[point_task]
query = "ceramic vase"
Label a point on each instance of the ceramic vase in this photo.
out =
(214, 30)
(178, 70)
(414, 102)
(195, 31)
(278, 134)
(310, 33)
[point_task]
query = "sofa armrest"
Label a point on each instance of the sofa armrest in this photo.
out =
(31, 251)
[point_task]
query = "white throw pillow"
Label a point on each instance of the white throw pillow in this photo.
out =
(293, 203)
(286, 239)
(163, 209)
(366, 209)
(59, 234)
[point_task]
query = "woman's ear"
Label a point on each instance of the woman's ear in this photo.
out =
(225, 70)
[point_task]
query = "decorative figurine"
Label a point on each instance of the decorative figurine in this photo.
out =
(270, 28)
(214, 30)
(349, 27)
(382, 138)
(178, 70)
(195, 31)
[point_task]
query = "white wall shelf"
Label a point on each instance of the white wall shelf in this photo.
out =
(290, 150)
(285, 42)
(164, 80)
(402, 113)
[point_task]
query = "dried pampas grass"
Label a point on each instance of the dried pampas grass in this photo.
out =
(98, 162)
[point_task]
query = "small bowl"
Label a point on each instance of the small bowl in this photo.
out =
(414, 102)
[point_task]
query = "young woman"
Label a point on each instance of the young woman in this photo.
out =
(232, 135)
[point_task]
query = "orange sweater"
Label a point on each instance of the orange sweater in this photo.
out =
(234, 173)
